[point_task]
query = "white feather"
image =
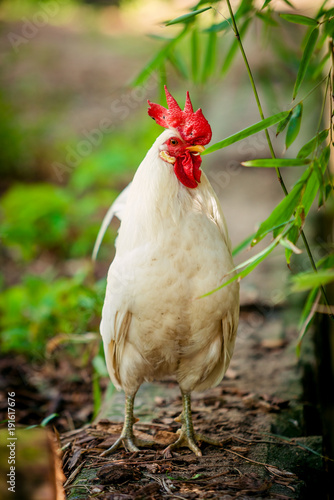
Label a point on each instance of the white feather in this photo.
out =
(172, 247)
(116, 210)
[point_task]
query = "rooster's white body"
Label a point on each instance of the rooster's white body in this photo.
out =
(172, 248)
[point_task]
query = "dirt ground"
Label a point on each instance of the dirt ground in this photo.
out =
(255, 413)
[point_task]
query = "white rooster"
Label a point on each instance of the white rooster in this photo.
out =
(172, 247)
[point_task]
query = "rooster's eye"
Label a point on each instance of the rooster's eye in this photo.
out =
(174, 142)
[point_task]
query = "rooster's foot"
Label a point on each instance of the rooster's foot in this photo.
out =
(127, 438)
(187, 436)
(129, 442)
(185, 439)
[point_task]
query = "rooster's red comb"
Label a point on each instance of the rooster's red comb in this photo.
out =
(192, 127)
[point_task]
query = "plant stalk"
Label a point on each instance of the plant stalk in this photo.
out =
(279, 175)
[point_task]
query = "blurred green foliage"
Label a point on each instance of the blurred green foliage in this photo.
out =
(62, 221)
(41, 307)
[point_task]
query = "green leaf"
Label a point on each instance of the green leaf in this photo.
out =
(234, 47)
(266, 3)
(44, 422)
(281, 126)
(100, 366)
(194, 54)
(328, 190)
(309, 48)
(293, 235)
(308, 195)
(257, 127)
(309, 280)
(243, 9)
(210, 56)
(244, 244)
(97, 395)
(326, 13)
(157, 60)
(249, 265)
(179, 64)
(47, 419)
(187, 17)
(294, 125)
(276, 162)
(326, 262)
(296, 18)
(324, 158)
(267, 18)
(307, 315)
(320, 179)
(282, 212)
(329, 27)
(313, 144)
(319, 67)
(307, 306)
(286, 243)
(289, 4)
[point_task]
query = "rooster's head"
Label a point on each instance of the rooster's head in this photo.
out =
(193, 131)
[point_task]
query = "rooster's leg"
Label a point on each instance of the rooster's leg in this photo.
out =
(127, 438)
(187, 436)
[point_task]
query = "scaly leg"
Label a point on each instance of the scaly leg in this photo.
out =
(187, 435)
(127, 438)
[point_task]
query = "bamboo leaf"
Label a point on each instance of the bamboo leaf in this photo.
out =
(326, 13)
(48, 419)
(194, 54)
(179, 64)
(243, 9)
(244, 244)
(249, 265)
(292, 236)
(267, 18)
(310, 193)
(309, 280)
(276, 162)
(294, 125)
(187, 17)
(289, 4)
(324, 158)
(308, 314)
(307, 306)
(309, 179)
(309, 48)
(210, 56)
(285, 242)
(313, 144)
(100, 366)
(266, 3)
(281, 126)
(157, 60)
(296, 18)
(320, 179)
(282, 212)
(253, 129)
(326, 262)
(319, 67)
(329, 27)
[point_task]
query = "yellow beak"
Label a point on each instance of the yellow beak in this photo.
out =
(196, 149)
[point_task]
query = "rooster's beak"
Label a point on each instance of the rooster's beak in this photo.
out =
(198, 148)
